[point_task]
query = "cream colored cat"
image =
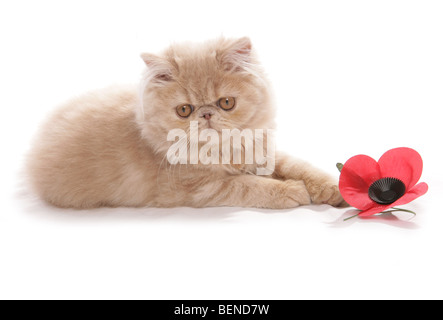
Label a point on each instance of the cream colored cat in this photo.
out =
(108, 148)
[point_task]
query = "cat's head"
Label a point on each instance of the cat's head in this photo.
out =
(219, 84)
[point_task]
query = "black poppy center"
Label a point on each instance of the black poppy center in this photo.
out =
(387, 190)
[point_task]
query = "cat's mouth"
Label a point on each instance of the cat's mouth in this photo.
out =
(209, 124)
(207, 115)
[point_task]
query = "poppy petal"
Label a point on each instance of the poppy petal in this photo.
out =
(374, 210)
(357, 175)
(402, 163)
(416, 191)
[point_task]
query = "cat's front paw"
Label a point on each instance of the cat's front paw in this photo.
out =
(326, 192)
(291, 194)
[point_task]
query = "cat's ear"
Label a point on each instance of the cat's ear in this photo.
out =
(159, 69)
(237, 55)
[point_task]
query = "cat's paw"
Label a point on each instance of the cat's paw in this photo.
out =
(291, 194)
(326, 192)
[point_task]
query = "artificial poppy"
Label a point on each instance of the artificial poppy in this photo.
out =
(374, 187)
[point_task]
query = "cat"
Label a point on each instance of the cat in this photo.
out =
(109, 147)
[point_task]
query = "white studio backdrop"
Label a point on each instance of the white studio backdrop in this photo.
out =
(349, 77)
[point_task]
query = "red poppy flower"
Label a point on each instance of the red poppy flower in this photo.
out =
(374, 187)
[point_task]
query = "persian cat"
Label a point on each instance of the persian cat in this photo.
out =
(110, 147)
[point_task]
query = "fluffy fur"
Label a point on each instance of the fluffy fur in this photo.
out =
(108, 148)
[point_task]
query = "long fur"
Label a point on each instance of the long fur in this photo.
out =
(108, 148)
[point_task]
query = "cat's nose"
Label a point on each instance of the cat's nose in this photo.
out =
(206, 112)
(207, 115)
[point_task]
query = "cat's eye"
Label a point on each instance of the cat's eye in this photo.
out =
(185, 110)
(226, 103)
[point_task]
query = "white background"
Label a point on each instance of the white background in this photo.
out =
(350, 77)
